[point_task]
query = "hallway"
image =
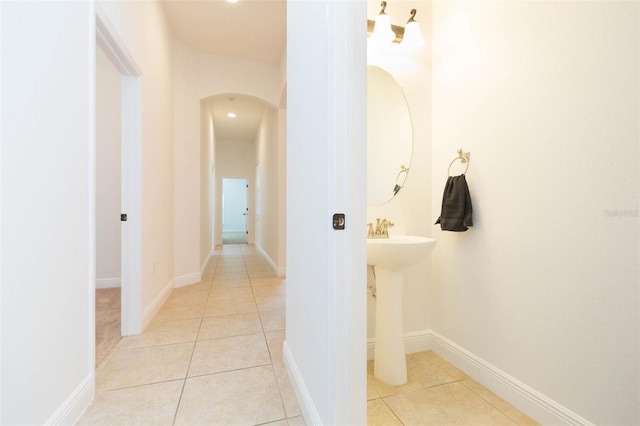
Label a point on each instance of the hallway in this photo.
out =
(212, 355)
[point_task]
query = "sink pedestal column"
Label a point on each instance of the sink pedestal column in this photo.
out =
(390, 364)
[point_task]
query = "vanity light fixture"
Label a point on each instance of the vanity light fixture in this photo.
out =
(412, 39)
(383, 33)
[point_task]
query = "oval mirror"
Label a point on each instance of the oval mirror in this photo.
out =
(389, 136)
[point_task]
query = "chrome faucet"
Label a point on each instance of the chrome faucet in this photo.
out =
(381, 229)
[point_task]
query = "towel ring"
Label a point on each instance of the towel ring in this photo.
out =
(464, 159)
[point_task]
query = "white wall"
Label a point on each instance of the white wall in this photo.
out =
(410, 210)
(199, 76)
(267, 155)
(47, 220)
(207, 173)
(325, 347)
(143, 29)
(545, 285)
(186, 157)
(107, 173)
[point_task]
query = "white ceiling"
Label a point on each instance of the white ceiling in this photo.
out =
(253, 30)
(248, 112)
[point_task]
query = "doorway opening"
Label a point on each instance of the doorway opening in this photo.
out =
(234, 211)
(108, 191)
(127, 198)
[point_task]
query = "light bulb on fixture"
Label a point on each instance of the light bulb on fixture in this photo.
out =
(382, 32)
(412, 39)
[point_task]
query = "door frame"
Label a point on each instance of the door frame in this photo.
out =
(246, 205)
(131, 170)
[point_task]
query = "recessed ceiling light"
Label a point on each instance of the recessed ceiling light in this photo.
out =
(231, 115)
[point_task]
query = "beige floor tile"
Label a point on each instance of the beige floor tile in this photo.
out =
(230, 293)
(378, 413)
(242, 397)
(430, 357)
(372, 393)
(261, 273)
(260, 281)
(510, 411)
(134, 367)
(218, 307)
(141, 405)
(228, 269)
(419, 375)
(202, 285)
(277, 289)
(180, 312)
(270, 303)
(275, 340)
(229, 353)
(287, 393)
(273, 320)
(185, 296)
(278, 423)
(163, 333)
(229, 325)
(296, 421)
(230, 275)
(231, 259)
(242, 282)
(449, 404)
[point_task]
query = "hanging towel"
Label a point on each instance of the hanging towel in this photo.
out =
(456, 214)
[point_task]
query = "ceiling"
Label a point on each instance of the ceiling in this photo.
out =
(252, 30)
(245, 125)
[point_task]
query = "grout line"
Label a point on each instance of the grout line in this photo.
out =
(392, 412)
(186, 374)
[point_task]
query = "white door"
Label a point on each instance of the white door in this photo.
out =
(325, 347)
(234, 211)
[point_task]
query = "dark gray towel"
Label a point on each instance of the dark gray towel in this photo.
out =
(456, 214)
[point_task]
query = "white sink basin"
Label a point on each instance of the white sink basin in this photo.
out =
(398, 252)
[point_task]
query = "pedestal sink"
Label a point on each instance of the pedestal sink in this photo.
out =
(390, 257)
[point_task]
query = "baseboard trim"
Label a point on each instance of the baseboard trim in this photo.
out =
(76, 403)
(206, 263)
(184, 280)
(108, 282)
(153, 308)
(280, 271)
(415, 341)
(531, 402)
(308, 408)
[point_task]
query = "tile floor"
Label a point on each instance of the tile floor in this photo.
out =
(213, 356)
(436, 393)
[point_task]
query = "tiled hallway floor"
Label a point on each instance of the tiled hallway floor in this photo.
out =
(212, 355)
